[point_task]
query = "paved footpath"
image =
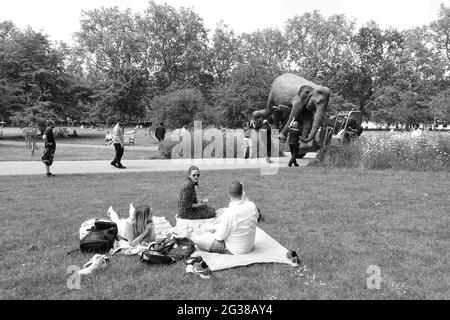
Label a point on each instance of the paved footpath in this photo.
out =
(104, 166)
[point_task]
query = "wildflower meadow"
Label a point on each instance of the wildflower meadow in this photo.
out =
(391, 150)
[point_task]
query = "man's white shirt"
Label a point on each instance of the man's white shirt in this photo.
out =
(237, 226)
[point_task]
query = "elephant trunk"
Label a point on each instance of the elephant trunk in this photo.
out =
(318, 117)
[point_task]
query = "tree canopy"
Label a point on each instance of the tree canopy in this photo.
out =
(163, 64)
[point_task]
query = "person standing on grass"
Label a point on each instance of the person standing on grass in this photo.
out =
(417, 132)
(118, 142)
(293, 140)
(236, 231)
(160, 132)
(50, 147)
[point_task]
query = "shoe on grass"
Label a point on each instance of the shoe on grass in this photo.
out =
(50, 174)
(97, 262)
(120, 166)
(292, 255)
(114, 164)
(199, 268)
(192, 260)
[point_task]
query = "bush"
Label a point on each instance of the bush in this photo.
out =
(399, 151)
(165, 148)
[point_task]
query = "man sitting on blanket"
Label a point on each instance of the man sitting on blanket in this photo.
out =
(235, 233)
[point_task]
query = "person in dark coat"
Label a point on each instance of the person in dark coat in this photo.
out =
(160, 132)
(293, 140)
(50, 147)
(188, 205)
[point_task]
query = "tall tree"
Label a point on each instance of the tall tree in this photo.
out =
(318, 47)
(175, 43)
(113, 55)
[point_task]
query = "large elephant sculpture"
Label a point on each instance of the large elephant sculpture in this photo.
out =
(307, 101)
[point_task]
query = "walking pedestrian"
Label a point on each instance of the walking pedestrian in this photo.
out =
(160, 132)
(293, 140)
(118, 142)
(50, 147)
(266, 126)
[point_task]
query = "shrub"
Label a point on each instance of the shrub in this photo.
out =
(165, 148)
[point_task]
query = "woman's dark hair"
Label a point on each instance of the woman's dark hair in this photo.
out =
(192, 168)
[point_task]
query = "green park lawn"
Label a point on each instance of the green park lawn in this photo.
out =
(340, 221)
(69, 153)
(88, 137)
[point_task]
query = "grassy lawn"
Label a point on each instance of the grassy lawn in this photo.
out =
(85, 136)
(340, 224)
(20, 153)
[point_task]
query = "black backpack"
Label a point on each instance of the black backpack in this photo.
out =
(168, 250)
(100, 239)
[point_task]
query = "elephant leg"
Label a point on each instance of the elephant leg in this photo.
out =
(297, 107)
(307, 124)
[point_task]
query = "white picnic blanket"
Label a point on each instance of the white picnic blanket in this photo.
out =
(266, 250)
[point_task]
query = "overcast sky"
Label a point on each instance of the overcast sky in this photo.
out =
(60, 18)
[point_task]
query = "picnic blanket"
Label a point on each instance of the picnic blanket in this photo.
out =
(266, 250)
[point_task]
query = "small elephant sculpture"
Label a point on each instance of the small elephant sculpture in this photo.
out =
(307, 101)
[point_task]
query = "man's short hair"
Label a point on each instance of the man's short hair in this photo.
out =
(162, 123)
(235, 189)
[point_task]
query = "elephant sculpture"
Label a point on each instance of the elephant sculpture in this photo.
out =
(306, 100)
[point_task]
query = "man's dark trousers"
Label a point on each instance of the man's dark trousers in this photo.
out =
(119, 153)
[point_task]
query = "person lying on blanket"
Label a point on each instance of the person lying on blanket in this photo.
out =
(138, 228)
(235, 233)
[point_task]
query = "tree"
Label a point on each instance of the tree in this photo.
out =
(180, 108)
(319, 46)
(223, 54)
(441, 29)
(247, 91)
(175, 43)
(113, 53)
(267, 46)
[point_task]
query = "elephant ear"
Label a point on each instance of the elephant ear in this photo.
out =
(305, 94)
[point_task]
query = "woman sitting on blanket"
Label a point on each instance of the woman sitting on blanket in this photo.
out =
(188, 205)
(138, 228)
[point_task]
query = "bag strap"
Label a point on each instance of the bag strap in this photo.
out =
(73, 250)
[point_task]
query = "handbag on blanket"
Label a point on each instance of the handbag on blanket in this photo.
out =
(153, 257)
(168, 250)
(100, 237)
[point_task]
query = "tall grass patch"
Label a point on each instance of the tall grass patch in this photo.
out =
(387, 150)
